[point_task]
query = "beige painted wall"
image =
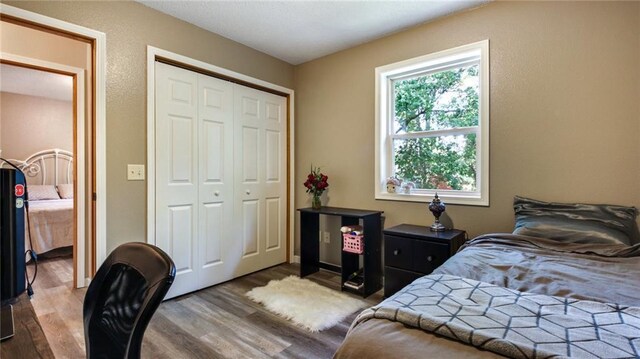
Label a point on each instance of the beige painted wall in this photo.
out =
(129, 28)
(41, 45)
(31, 124)
(565, 115)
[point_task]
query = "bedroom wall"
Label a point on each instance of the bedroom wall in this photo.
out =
(31, 124)
(129, 28)
(40, 45)
(564, 109)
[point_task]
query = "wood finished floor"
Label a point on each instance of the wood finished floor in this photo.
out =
(217, 322)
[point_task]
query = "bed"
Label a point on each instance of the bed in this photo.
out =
(49, 176)
(566, 283)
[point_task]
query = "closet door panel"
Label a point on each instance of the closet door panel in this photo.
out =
(213, 214)
(249, 156)
(274, 180)
(180, 219)
(260, 175)
(274, 156)
(250, 213)
(273, 227)
(215, 114)
(177, 172)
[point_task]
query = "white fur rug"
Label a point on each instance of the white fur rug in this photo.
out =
(305, 303)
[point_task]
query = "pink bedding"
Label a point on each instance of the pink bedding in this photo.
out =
(51, 223)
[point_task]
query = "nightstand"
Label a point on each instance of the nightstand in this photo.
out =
(412, 251)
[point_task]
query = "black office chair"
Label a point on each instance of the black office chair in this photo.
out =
(122, 297)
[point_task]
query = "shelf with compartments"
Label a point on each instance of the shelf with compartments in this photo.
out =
(371, 267)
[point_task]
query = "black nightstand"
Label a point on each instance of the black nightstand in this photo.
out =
(413, 251)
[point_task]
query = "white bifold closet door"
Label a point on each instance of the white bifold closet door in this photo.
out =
(260, 172)
(220, 177)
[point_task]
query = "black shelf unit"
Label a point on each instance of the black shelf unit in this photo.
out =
(372, 258)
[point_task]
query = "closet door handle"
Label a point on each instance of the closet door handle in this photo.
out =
(248, 191)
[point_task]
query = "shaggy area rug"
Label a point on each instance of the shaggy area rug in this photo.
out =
(305, 303)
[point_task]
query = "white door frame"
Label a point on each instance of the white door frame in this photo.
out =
(154, 53)
(80, 197)
(100, 47)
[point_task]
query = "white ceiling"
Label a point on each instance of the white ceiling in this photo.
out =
(38, 83)
(298, 31)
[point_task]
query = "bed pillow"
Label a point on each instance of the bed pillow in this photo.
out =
(42, 192)
(575, 222)
(65, 190)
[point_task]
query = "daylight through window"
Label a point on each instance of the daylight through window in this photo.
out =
(433, 127)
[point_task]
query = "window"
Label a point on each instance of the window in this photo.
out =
(432, 130)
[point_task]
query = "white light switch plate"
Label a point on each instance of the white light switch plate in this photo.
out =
(135, 172)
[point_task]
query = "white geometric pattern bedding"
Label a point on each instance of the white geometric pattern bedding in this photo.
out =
(512, 323)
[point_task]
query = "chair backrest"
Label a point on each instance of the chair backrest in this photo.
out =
(122, 297)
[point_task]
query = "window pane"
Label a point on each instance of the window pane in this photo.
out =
(444, 163)
(437, 101)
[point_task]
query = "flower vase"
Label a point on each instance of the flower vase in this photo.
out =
(315, 202)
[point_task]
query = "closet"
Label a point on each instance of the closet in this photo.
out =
(220, 177)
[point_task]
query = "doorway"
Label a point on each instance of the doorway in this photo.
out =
(42, 123)
(14, 51)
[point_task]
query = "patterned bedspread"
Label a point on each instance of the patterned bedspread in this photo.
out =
(513, 323)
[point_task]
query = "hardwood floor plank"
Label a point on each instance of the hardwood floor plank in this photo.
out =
(216, 322)
(62, 341)
(315, 344)
(177, 342)
(222, 322)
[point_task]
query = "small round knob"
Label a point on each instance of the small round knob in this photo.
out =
(216, 193)
(429, 258)
(248, 191)
(396, 252)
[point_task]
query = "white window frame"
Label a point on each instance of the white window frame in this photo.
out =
(477, 52)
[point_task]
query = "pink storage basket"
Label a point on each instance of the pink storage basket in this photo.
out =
(353, 243)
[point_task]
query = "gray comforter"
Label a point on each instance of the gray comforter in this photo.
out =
(595, 273)
(605, 273)
(512, 323)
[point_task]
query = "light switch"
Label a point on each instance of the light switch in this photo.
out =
(135, 172)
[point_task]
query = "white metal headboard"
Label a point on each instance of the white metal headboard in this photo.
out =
(48, 167)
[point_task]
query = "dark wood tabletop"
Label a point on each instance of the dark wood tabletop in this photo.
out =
(29, 340)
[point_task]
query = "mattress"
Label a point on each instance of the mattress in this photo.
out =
(51, 224)
(591, 272)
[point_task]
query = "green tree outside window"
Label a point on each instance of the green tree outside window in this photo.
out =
(437, 101)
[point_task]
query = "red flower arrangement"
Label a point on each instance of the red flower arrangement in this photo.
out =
(316, 183)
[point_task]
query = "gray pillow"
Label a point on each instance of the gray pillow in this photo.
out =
(575, 222)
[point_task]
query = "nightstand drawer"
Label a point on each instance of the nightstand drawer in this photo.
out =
(412, 251)
(397, 252)
(427, 256)
(396, 279)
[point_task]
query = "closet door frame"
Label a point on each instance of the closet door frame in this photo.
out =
(155, 54)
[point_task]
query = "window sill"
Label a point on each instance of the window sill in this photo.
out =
(447, 198)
